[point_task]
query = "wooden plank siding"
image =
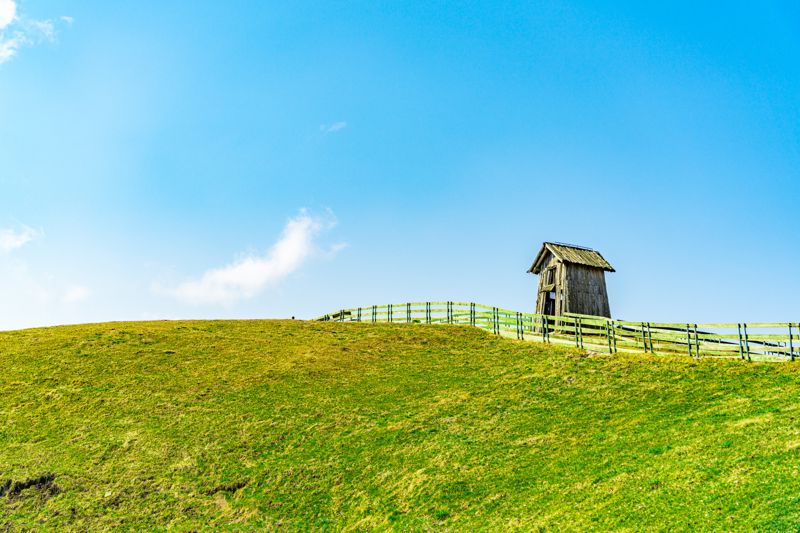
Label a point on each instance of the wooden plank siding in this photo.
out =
(585, 290)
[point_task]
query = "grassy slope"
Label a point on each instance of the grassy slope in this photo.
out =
(306, 425)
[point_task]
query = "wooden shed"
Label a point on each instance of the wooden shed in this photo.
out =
(571, 280)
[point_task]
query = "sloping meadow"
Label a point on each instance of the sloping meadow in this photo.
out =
(309, 425)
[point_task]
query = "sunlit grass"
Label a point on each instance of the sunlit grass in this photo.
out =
(262, 424)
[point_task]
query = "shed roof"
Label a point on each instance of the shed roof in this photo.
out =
(570, 253)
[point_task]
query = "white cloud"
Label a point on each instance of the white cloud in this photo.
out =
(332, 128)
(248, 276)
(17, 31)
(338, 247)
(8, 12)
(8, 48)
(69, 20)
(76, 294)
(12, 239)
(42, 28)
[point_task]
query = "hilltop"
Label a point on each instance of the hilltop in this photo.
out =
(263, 424)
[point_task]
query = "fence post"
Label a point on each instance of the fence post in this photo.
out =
(427, 312)
(496, 321)
(359, 315)
(791, 344)
(614, 336)
(580, 330)
(575, 330)
(390, 313)
(689, 339)
(644, 341)
(472, 314)
(696, 343)
(374, 314)
(608, 337)
(741, 347)
(650, 337)
(542, 321)
(746, 342)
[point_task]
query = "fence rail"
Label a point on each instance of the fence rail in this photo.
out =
(748, 341)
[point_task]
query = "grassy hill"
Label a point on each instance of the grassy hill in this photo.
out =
(262, 424)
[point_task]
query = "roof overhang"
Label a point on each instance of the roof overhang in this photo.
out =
(568, 253)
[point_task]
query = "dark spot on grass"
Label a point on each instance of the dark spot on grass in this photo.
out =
(226, 487)
(43, 484)
(457, 488)
(658, 450)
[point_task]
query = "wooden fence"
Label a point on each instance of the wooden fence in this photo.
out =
(751, 341)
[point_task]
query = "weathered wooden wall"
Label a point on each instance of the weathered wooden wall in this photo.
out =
(585, 291)
(579, 289)
(558, 286)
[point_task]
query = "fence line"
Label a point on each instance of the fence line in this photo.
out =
(747, 341)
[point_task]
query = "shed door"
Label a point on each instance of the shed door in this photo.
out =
(550, 303)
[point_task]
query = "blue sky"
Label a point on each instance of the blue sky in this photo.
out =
(264, 159)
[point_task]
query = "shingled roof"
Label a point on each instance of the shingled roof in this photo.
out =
(569, 253)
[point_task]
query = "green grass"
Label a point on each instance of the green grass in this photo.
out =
(267, 424)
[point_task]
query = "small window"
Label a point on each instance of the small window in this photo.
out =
(550, 276)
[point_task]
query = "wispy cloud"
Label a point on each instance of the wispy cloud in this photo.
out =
(11, 239)
(45, 29)
(76, 294)
(332, 128)
(250, 275)
(17, 31)
(8, 48)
